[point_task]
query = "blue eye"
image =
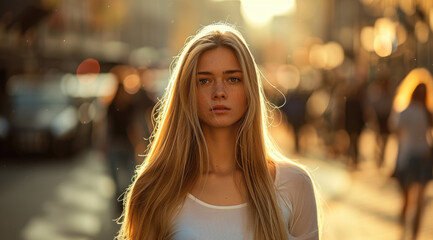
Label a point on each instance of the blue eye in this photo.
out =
(203, 81)
(234, 80)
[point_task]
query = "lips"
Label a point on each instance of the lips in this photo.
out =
(220, 109)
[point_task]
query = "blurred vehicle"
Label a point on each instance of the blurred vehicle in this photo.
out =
(45, 118)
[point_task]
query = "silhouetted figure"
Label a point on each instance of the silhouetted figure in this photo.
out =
(295, 109)
(120, 151)
(354, 121)
(380, 99)
(414, 164)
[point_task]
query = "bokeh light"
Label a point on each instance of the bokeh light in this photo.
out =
(382, 46)
(421, 31)
(407, 6)
(288, 77)
(385, 27)
(86, 112)
(318, 103)
(318, 57)
(88, 70)
(131, 83)
(335, 55)
(367, 38)
(311, 78)
(327, 56)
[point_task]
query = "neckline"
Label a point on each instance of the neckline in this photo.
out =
(228, 207)
(208, 205)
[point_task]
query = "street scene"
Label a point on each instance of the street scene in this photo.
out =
(348, 87)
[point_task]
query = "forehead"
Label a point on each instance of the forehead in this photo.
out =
(221, 58)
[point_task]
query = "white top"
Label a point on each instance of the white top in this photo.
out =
(199, 220)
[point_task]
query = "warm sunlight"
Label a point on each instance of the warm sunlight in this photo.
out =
(260, 12)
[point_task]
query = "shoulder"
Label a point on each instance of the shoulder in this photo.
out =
(293, 181)
(414, 109)
(291, 172)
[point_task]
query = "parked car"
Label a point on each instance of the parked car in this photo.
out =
(42, 118)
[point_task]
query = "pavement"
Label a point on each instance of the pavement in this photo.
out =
(357, 204)
(364, 204)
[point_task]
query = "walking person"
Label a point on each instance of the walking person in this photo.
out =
(414, 164)
(211, 171)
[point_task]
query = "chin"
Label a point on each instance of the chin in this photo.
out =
(220, 124)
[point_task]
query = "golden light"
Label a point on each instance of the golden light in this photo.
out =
(407, 6)
(367, 2)
(367, 38)
(421, 31)
(131, 83)
(288, 77)
(431, 19)
(300, 57)
(260, 12)
(318, 103)
(406, 87)
(389, 12)
(382, 46)
(318, 56)
(401, 34)
(327, 56)
(385, 27)
(311, 78)
(335, 55)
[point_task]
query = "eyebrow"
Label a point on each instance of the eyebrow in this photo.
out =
(225, 72)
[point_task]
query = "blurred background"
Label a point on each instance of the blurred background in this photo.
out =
(79, 79)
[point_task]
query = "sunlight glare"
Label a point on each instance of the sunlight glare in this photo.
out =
(260, 12)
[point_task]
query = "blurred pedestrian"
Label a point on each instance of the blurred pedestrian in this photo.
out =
(380, 96)
(354, 121)
(295, 111)
(211, 172)
(119, 149)
(414, 164)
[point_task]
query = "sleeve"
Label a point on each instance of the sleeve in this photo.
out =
(304, 221)
(298, 190)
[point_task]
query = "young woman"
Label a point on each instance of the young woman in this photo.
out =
(211, 171)
(414, 164)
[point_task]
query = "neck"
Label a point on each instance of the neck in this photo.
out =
(221, 144)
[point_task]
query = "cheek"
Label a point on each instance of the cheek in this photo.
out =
(202, 104)
(242, 99)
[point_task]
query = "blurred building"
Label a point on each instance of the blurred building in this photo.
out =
(301, 46)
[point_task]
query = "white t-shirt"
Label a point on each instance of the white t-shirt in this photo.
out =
(199, 220)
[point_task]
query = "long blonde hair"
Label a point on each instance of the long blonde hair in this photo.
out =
(178, 156)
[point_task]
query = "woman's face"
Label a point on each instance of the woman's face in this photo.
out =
(221, 97)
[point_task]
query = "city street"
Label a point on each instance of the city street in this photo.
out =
(363, 204)
(357, 204)
(84, 84)
(57, 199)
(73, 199)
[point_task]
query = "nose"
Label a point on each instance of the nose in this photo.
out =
(219, 91)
